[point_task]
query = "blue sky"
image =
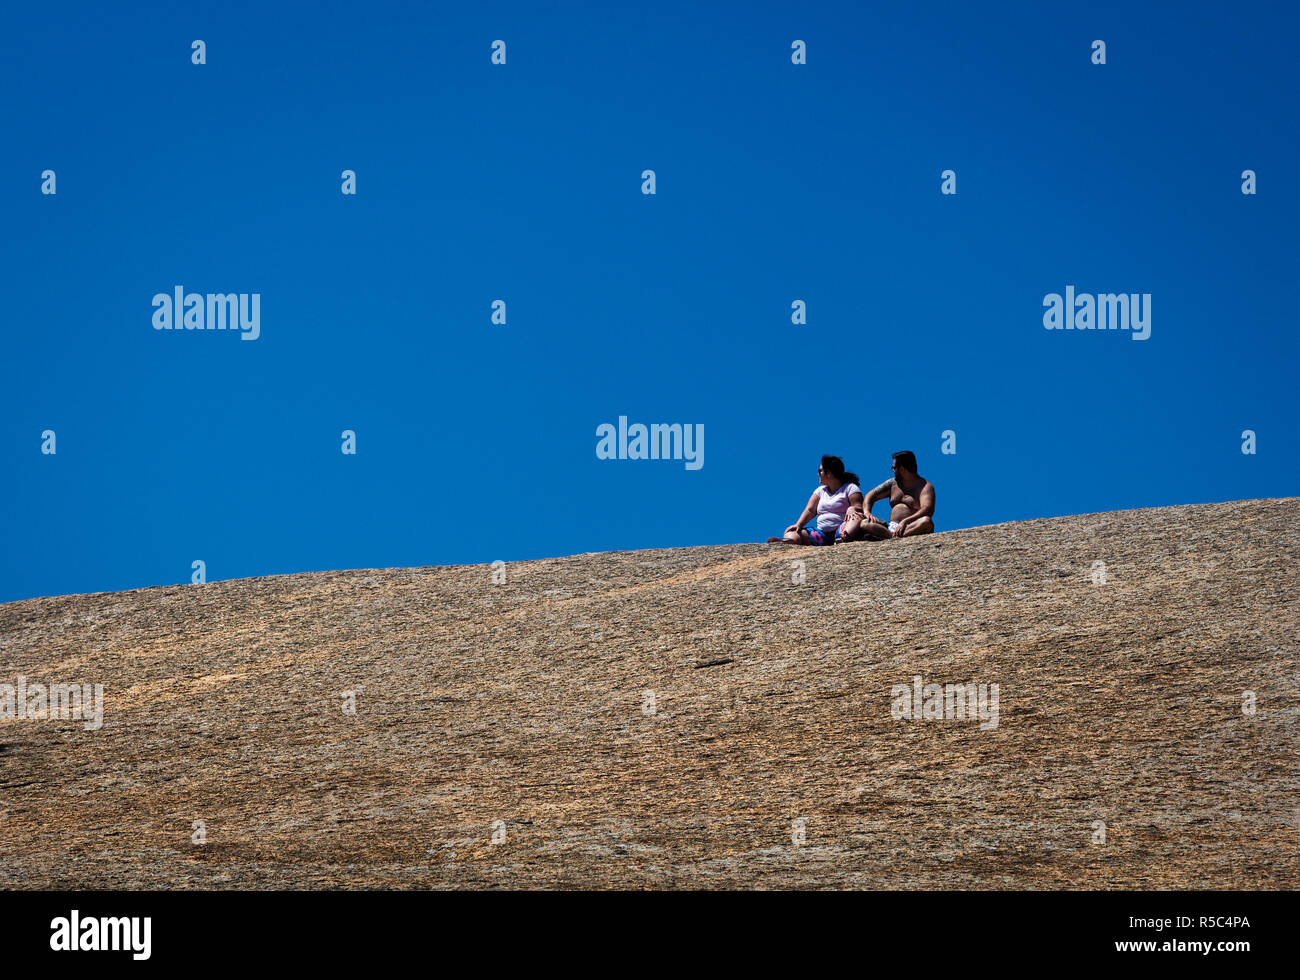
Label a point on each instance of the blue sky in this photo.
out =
(522, 182)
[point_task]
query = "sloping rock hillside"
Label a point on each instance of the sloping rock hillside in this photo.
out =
(689, 718)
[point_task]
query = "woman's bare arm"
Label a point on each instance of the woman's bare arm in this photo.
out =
(809, 512)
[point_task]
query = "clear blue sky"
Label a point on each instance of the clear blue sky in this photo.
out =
(522, 182)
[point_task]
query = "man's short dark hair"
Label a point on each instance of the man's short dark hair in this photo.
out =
(906, 459)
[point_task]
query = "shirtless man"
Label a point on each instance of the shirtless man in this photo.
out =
(911, 505)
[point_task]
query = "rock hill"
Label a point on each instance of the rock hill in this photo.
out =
(713, 717)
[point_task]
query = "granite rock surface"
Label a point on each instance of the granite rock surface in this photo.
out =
(711, 717)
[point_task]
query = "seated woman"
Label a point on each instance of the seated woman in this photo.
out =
(821, 519)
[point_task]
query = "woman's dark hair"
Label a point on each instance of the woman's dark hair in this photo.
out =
(835, 467)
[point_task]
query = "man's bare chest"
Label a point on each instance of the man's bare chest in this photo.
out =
(897, 495)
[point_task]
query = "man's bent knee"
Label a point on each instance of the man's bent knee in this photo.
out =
(921, 526)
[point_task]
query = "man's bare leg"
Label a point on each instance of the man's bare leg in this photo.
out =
(921, 526)
(902, 512)
(874, 530)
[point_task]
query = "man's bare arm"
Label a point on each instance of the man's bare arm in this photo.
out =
(924, 508)
(926, 503)
(880, 493)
